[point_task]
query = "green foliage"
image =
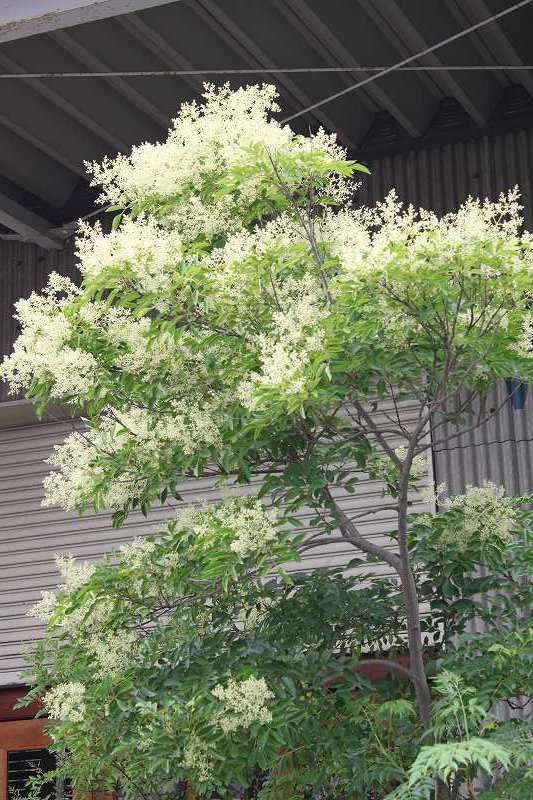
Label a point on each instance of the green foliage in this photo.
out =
(243, 323)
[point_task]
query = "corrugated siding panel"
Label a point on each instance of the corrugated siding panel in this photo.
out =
(441, 177)
(31, 535)
(500, 451)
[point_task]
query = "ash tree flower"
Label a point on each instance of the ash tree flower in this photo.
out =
(244, 322)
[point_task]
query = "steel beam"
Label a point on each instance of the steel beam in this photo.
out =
(22, 18)
(491, 42)
(28, 225)
(400, 31)
(92, 62)
(152, 41)
(226, 27)
(323, 40)
(43, 88)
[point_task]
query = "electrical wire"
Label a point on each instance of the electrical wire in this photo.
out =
(163, 73)
(406, 61)
(481, 444)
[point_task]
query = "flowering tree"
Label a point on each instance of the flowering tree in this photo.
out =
(243, 320)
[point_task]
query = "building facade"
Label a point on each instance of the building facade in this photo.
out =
(436, 137)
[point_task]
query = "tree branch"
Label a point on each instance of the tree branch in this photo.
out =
(351, 534)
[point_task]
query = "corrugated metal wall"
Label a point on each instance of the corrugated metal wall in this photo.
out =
(442, 176)
(31, 535)
(501, 450)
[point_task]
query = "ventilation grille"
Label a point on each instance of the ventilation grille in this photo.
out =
(25, 764)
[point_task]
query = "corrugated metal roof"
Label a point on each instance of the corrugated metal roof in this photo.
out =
(47, 128)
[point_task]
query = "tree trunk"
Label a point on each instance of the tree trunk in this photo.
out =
(402, 565)
(414, 636)
(412, 607)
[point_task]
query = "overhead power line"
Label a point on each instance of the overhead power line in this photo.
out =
(408, 60)
(164, 73)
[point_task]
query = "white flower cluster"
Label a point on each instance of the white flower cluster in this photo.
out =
(258, 613)
(419, 463)
(196, 757)
(140, 353)
(112, 652)
(140, 252)
(69, 487)
(234, 268)
(75, 574)
(51, 322)
(524, 345)
(432, 494)
(65, 702)
(245, 703)
(134, 554)
(366, 240)
(296, 335)
(251, 527)
(42, 350)
(187, 427)
(205, 141)
(488, 516)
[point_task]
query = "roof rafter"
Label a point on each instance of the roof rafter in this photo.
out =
(402, 33)
(28, 225)
(324, 41)
(250, 52)
(45, 148)
(491, 42)
(54, 97)
(152, 41)
(84, 56)
(22, 18)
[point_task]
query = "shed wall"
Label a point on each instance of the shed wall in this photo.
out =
(441, 177)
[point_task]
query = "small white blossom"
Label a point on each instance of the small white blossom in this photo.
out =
(42, 350)
(44, 608)
(258, 613)
(134, 553)
(75, 574)
(196, 757)
(186, 426)
(524, 345)
(113, 652)
(244, 703)
(251, 527)
(431, 494)
(418, 465)
(217, 135)
(65, 702)
(296, 336)
(487, 515)
(140, 252)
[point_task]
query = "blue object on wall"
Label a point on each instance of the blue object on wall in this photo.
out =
(518, 391)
